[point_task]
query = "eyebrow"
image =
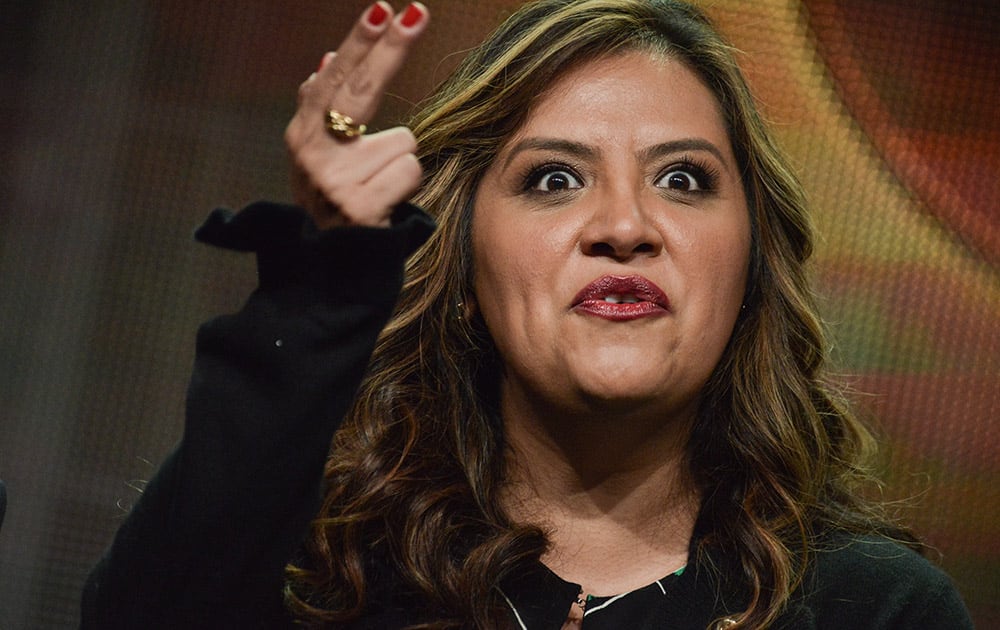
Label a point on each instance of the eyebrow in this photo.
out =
(581, 150)
(681, 146)
(577, 149)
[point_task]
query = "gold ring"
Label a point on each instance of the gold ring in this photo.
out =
(342, 126)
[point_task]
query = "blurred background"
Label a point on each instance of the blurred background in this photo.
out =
(123, 124)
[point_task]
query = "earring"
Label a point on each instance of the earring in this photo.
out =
(465, 310)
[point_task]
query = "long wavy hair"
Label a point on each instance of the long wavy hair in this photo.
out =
(416, 471)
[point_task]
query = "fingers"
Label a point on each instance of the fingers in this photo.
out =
(365, 32)
(354, 79)
(355, 180)
(396, 181)
(383, 172)
(378, 150)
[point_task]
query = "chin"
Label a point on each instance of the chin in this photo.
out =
(622, 397)
(627, 391)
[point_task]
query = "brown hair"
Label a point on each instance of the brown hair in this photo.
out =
(416, 470)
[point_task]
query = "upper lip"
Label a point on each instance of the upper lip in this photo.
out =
(637, 286)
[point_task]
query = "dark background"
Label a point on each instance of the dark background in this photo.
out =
(122, 124)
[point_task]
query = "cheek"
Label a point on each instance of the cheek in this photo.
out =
(731, 255)
(730, 272)
(506, 286)
(497, 280)
(717, 263)
(516, 271)
(717, 250)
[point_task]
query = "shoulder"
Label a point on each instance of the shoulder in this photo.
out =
(873, 582)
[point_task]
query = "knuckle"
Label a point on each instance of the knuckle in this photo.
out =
(399, 139)
(370, 35)
(352, 210)
(412, 167)
(407, 141)
(296, 139)
(292, 136)
(307, 88)
(396, 38)
(337, 191)
(361, 82)
(337, 76)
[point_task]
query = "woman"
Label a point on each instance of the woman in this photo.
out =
(600, 395)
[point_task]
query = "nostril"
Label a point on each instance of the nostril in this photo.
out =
(644, 248)
(602, 249)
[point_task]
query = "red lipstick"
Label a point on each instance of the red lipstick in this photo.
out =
(621, 298)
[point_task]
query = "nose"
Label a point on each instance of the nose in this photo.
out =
(620, 228)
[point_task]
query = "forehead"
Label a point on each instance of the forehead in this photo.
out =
(627, 96)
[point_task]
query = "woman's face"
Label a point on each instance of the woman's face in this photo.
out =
(611, 239)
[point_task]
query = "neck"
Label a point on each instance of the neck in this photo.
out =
(611, 488)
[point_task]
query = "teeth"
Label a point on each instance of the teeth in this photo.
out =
(622, 299)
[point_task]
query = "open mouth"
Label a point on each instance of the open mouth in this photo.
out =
(621, 298)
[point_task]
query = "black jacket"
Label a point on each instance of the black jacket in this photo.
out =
(206, 544)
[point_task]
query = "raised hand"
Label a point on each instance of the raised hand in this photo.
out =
(340, 176)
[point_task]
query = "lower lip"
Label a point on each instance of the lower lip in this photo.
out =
(620, 312)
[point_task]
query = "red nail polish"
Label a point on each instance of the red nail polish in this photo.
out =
(323, 61)
(412, 16)
(377, 15)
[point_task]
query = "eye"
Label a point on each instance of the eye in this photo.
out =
(687, 177)
(552, 178)
(679, 180)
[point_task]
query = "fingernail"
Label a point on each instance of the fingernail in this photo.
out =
(377, 14)
(325, 60)
(412, 16)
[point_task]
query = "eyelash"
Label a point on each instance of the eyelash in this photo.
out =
(705, 175)
(534, 174)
